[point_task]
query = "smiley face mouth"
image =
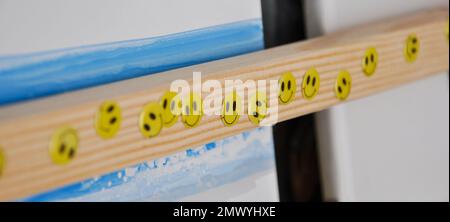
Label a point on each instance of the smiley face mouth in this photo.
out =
(107, 125)
(309, 96)
(344, 93)
(371, 67)
(160, 125)
(193, 124)
(370, 64)
(159, 128)
(232, 122)
(258, 117)
(105, 129)
(170, 121)
(410, 53)
(289, 99)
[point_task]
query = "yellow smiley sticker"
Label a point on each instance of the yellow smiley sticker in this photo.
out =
(63, 145)
(287, 88)
(412, 48)
(192, 110)
(370, 61)
(232, 107)
(446, 31)
(150, 120)
(343, 85)
(170, 104)
(108, 119)
(257, 108)
(311, 84)
(2, 161)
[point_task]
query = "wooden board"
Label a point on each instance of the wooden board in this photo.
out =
(26, 129)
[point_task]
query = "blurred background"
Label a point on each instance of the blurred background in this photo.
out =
(389, 147)
(393, 146)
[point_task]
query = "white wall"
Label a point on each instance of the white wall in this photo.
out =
(28, 26)
(390, 147)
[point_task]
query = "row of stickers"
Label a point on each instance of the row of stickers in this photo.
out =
(165, 113)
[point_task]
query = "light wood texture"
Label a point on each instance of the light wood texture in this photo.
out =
(26, 128)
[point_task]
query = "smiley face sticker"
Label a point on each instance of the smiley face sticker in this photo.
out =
(343, 85)
(108, 119)
(63, 145)
(150, 120)
(257, 107)
(287, 88)
(370, 61)
(232, 107)
(2, 161)
(311, 84)
(192, 111)
(412, 48)
(171, 105)
(446, 30)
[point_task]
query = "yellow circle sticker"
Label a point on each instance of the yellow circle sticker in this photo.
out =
(412, 48)
(257, 108)
(311, 84)
(446, 31)
(63, 145)
(150, 120)
(192, 110)
(370, 61)
(287, 88)
(343, 85)
(2, 161)
(108, 119)
(232, 108)
(170, 104)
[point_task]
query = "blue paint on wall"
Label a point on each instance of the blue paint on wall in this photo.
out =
(177, 176)
(30, 76)
(170, 178)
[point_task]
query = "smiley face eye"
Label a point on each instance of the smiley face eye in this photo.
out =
(414, 41)
(147, 127)
(195, 106)
(339, 89)
(165, 104)
(282, 86)
(367, 61)
(314, 81)
(110, 109)
(62, 148)
(308, 80)
(372, 58)
(187, 110)
(113, 120)
(344, 81)
(71, 153)
(227, 106)
(172, 105)
(258, 103)
(234, 106)
(289, 85)
(152, 116)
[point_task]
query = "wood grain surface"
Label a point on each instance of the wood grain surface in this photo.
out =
(26, 128)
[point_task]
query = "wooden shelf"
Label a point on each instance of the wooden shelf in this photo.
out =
(26, 128)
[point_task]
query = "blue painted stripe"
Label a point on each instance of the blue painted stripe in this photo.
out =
(29, 76)
(178, 175)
